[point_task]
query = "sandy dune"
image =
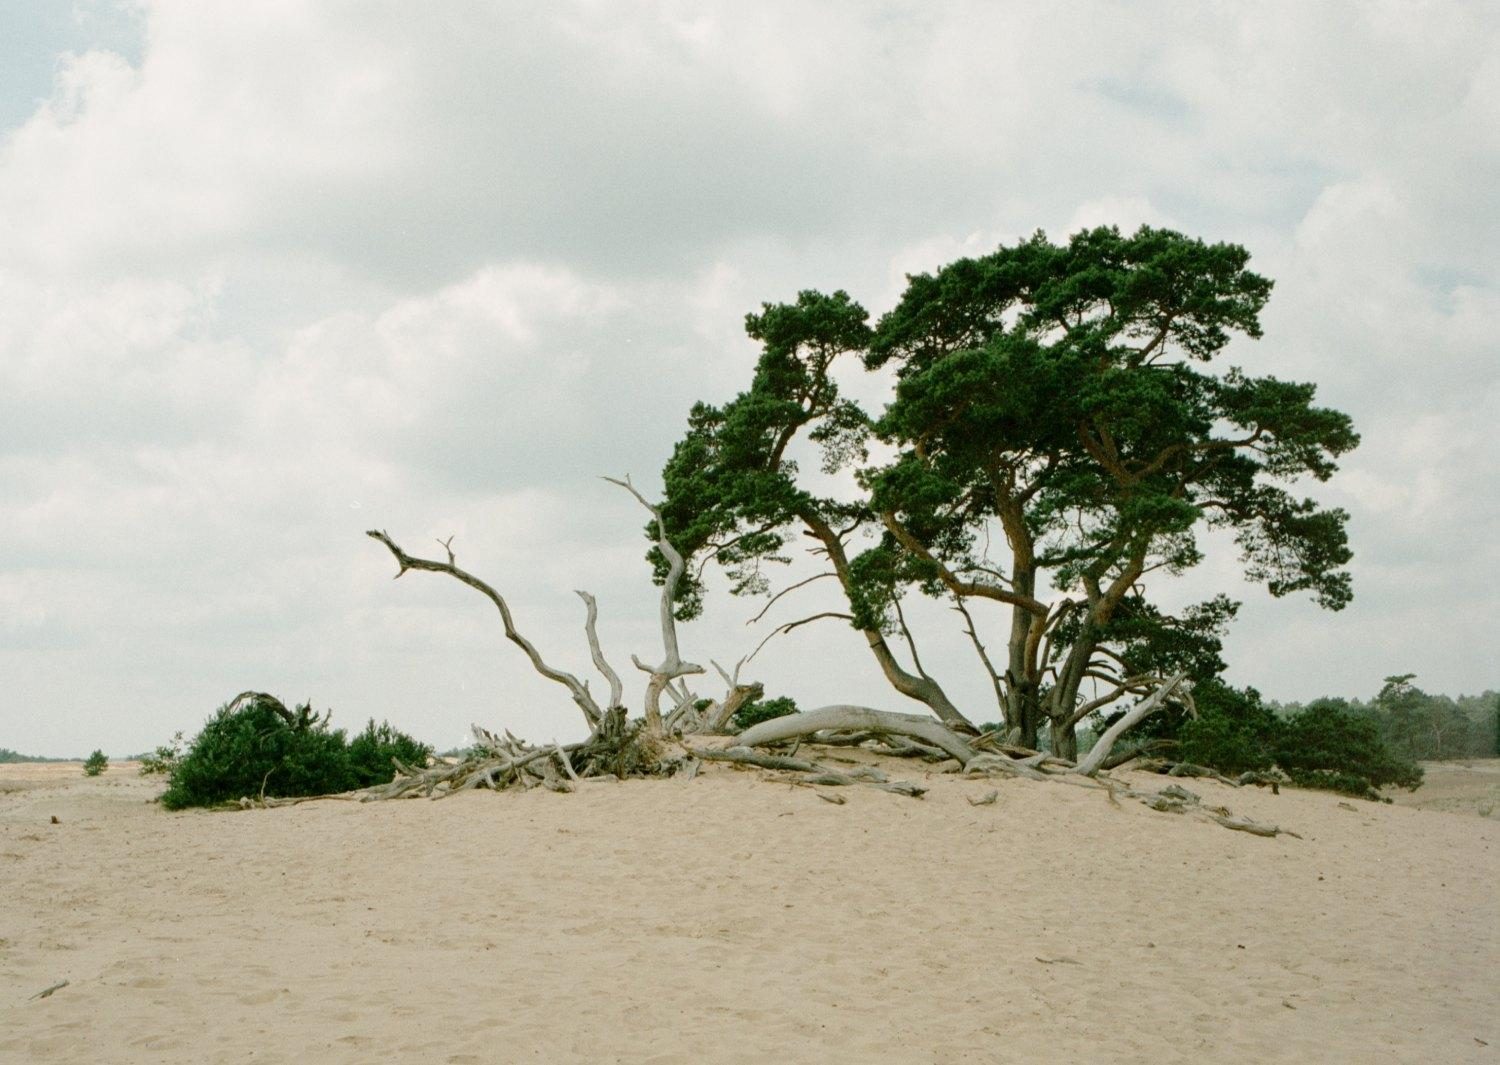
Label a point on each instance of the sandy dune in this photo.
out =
(730, 920)
(1470, 786)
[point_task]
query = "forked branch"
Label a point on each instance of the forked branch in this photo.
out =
(575, 687)
(590, 628)
(672, 666)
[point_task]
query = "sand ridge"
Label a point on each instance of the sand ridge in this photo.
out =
(731, 920)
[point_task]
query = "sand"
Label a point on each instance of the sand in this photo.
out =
(731, 920)
(1468, 786)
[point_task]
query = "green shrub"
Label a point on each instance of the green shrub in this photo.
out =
(164, 759)
(371, 751)
(96, 764)
(250, 749)
(1328, 746)
(259, 747)
(763, 710)
(1234, 731)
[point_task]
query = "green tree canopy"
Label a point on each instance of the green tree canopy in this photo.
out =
(1059, 431)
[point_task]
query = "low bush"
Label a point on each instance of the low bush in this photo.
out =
(164, 759)
(259, 748)
(763, 710)
(371, 751)
(1328, 746)
(96, 764)
(1234, 731)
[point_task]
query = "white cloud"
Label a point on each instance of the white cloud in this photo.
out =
(304, 268)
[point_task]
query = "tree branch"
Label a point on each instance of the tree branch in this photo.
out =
(1091, 761)
(789, 588)
(951, 579)
(616, 689)
(989, 667)
(405, 562)
(782, 630)
(672, 665)
(862, 718)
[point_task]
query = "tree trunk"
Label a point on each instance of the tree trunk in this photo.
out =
(920, 687)
(1064, 739)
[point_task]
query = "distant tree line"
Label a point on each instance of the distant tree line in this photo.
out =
(1417, 725)
(8, 756)
(1346, 745)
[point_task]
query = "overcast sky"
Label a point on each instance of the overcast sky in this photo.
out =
(272, 274)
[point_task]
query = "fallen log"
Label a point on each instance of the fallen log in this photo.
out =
(845, 718)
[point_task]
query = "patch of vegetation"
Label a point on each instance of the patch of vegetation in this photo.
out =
(164, 759)
(97, 763)
(255, 746)
(1329, 746)
(1234, 731)
(371, 751)
(763, 710)
(10, 757)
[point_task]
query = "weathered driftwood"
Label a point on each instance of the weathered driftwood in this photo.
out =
(618, 747)
(577, 688)
(1090, 763)
(811, 774)
(745, 756)
(999, 763)
(302, 718)
(1244, 824)
(671, 666)
(858, 718)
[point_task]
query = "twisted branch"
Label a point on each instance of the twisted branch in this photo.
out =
(577, 688)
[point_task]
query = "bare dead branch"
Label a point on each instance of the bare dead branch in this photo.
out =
(1091, 762)
(858, 718)
(616, 688)
(984, 657)
(741, 755)
(672, 665)
(788, 589)
(911, 643)
(580, 693)
(782, 630)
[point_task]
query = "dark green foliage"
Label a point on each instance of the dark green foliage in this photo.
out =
(1234, 732)
(96, 764)
(244, 750)
(1328, 745)
(763, 710)
(1056, 424)
(1422, 727)
(371, 751)
(258, 747)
